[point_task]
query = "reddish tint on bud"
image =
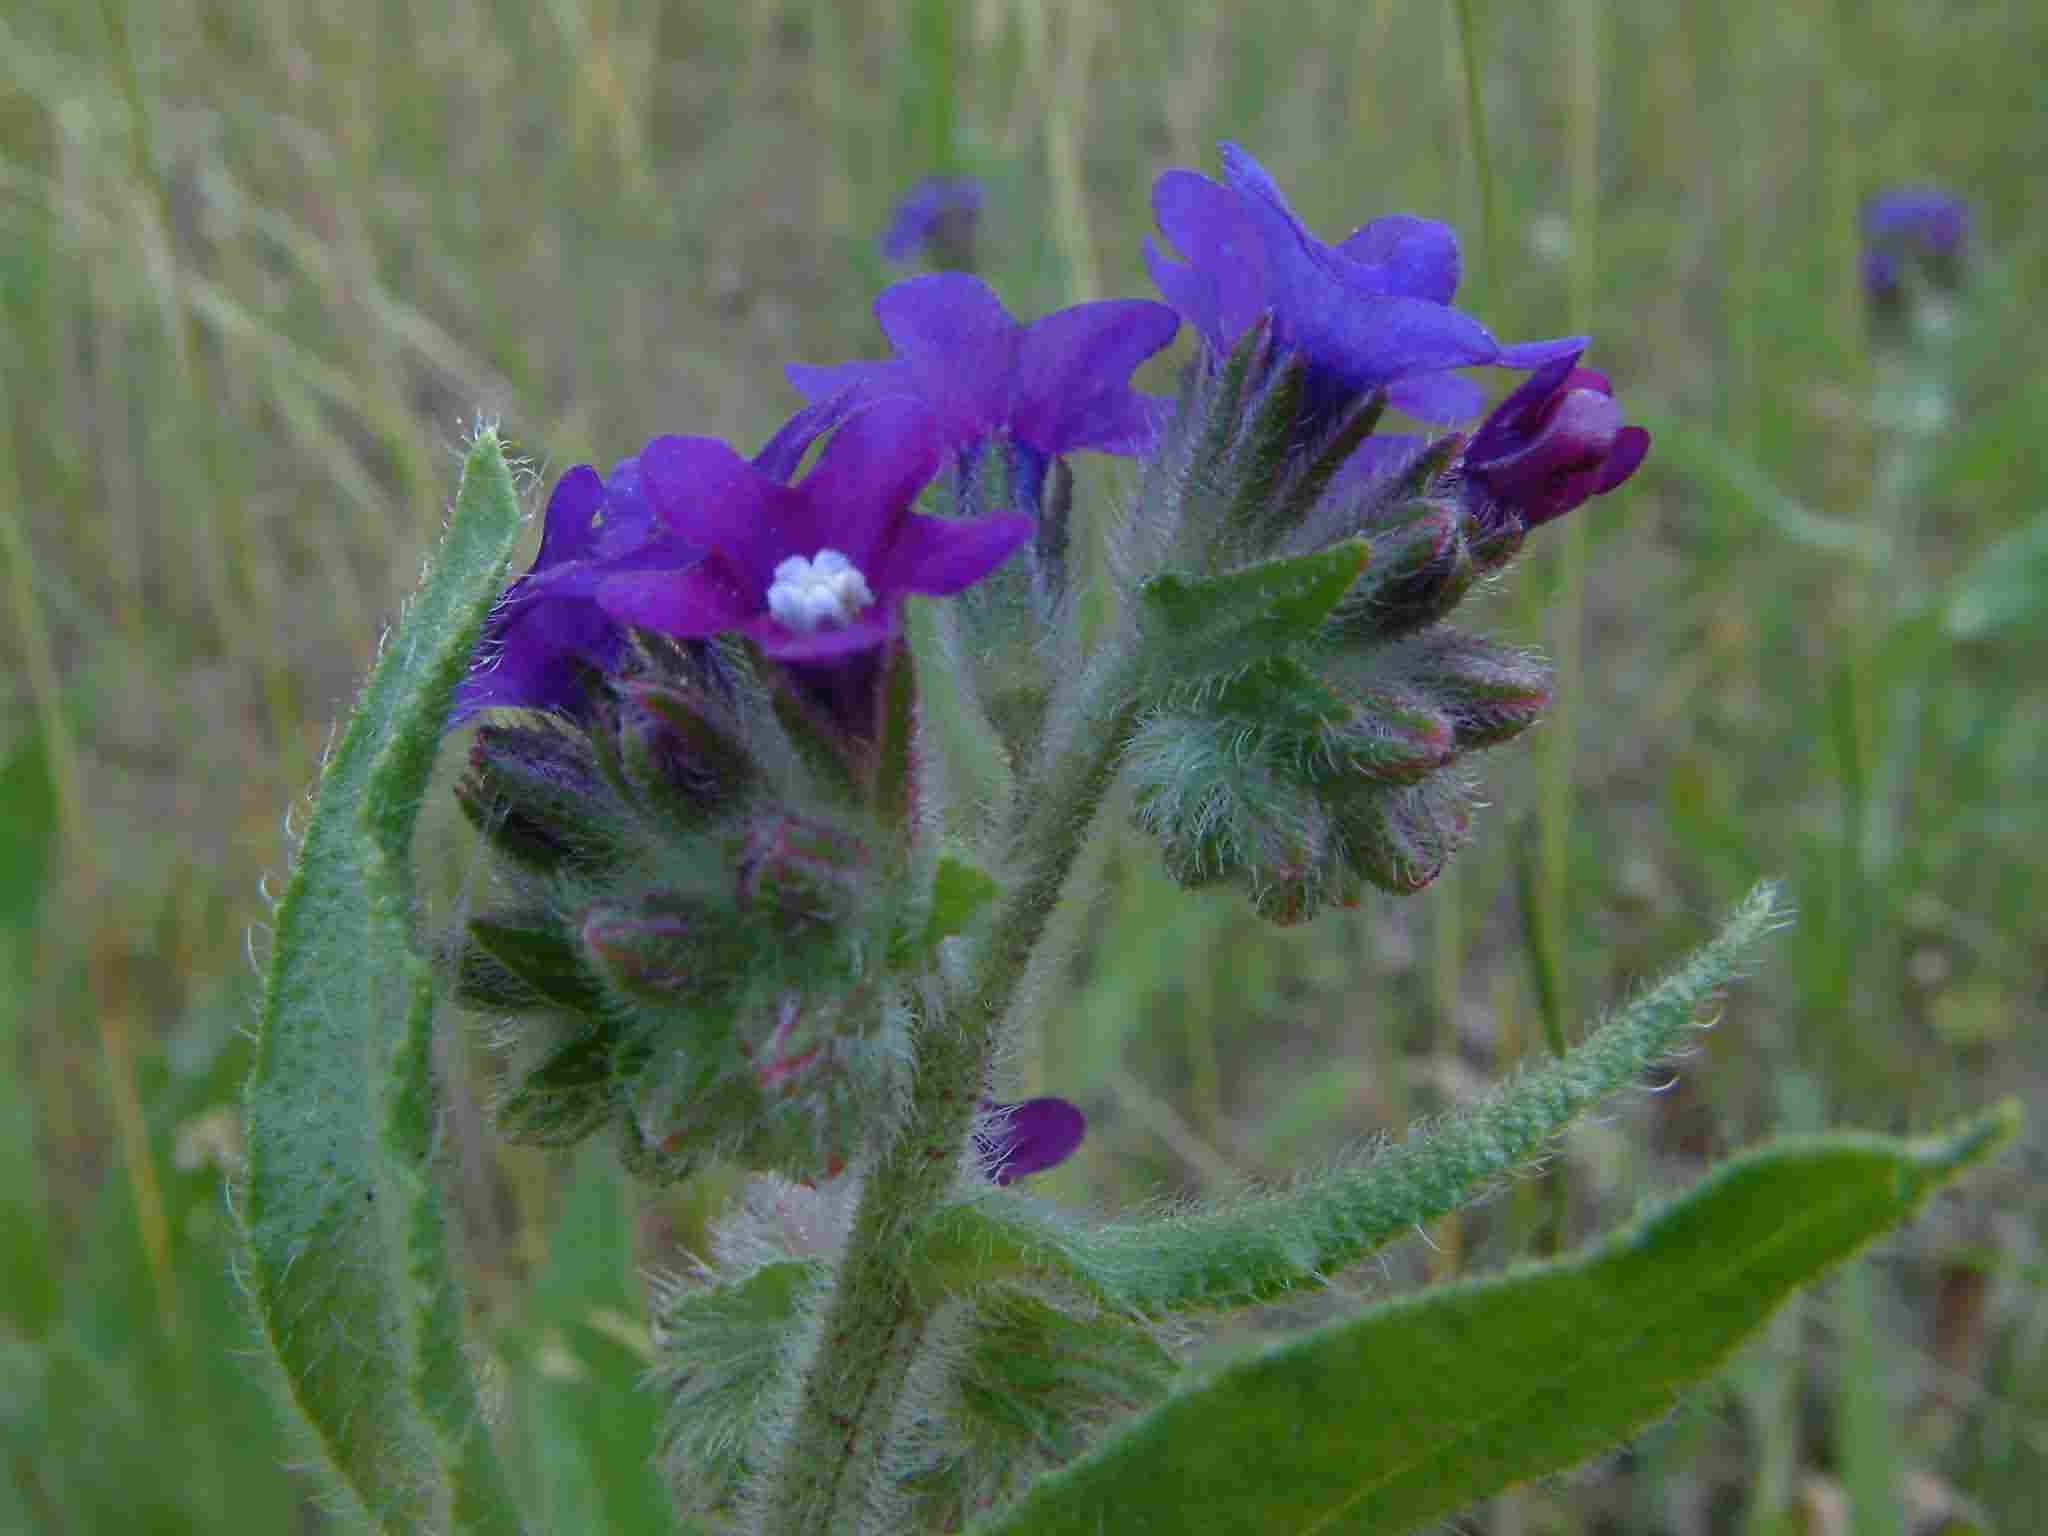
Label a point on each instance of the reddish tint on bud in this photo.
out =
(1394, 736)
(803, 871)
(1419, 571)
(1491, 692)
(1555, 442)
(652, 952)
(1400, 839)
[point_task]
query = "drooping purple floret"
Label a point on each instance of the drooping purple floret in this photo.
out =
(1029, 1137)
(547, 634)
(1924, 225)
(1057, 385)
(938, 214)
(1371, 312)
(1555, 442)
(813, 572)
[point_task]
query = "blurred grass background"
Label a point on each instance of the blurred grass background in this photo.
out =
(260, 264)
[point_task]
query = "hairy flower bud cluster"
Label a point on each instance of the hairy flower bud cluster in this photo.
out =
(1322, 752)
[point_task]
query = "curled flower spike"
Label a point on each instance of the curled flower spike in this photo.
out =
(1556, 441)
(1057, 385)
(1372, 311)
(1029, 1137)
(812, 572)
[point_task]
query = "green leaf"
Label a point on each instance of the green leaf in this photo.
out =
(347, 1267)
(722, 1352)
(2004, 584)
(1260, 1245)
(1209, 625)
(959, 891)
(1401, 1416)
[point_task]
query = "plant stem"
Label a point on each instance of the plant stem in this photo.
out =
(848, 1400)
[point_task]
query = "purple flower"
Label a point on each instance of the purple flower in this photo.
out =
(1028, 1137)
(1059, 384)
(938, 215)
(1370, 312)
(547, 634)
(1920, 225)
(814, 572)
(1556, 441)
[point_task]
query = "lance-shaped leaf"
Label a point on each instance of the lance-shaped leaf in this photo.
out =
(1203, 626)
(1261, 1245)
(1399, 1417)
(346, 1267)
(724, 1351)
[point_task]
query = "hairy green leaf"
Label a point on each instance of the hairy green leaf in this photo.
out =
(347, 1268)
(1206, 626)
(1260, 1245)
(1384, 1422)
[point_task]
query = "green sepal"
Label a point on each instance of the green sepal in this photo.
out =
(895, 765)
(567, 1097)
(1256, 509)
(1399, 1417)
(1278, 694)
(539, 957)
(1205, 626)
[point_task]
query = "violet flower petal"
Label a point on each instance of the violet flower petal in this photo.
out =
(1071, 384)
(940, 555)
(1419, 256)
(870, 471)
(1030, 1137)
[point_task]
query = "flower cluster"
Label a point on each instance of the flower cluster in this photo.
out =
(701, 756)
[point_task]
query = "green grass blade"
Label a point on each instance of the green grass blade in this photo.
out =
(347, 1268)
(1399, 1417)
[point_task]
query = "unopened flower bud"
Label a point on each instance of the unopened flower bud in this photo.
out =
(1490, 692)
(647, 951)
(1395, 736)
(1419, 571)
(1555, 442)
(799, 869)
(1400, 839)
(679, 748)
(535, 793)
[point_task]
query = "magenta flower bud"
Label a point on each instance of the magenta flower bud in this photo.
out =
(1029, 1137)
(936, 218)
(1556, 441)
(535, 794)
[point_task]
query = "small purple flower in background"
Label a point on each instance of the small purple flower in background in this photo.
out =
(1919, 227)
(937, 217)
(1029, 1137)
(814, 572)
(1057, 385)
(1553, 443)
(1370, 312)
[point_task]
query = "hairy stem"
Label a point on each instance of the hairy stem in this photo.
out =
(825, 1478)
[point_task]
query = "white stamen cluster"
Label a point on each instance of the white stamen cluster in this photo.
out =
(825, 590)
